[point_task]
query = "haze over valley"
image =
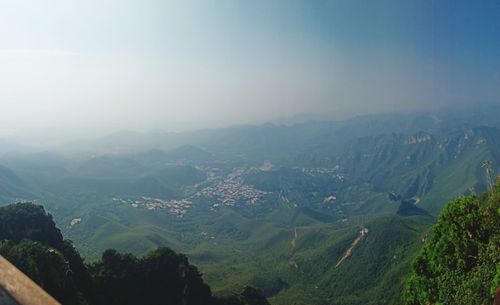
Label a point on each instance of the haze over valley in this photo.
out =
(294, 152)
(241, 199)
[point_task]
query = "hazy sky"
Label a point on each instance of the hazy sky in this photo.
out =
(145, 64)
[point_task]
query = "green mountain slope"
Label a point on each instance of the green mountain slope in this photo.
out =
(274, 206)
(32, 242)
(12, 187)
(433, 168)
(460, 261)
(299, 265)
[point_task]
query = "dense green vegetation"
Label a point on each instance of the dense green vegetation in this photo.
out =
(460, 261)
(32, 242)
(304, 273)
(321, 183)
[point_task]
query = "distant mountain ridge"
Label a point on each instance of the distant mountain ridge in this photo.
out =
(274, 206)
(12, 187)
(240, 139)
(415, 165)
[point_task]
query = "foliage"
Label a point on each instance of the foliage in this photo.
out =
(460, 262)
(46, 266)
(306, 273)
(250, 244)
(252, 296)
(160, 277)
(29, 221)
(32, 242)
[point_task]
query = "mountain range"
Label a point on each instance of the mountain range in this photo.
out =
(312, 213)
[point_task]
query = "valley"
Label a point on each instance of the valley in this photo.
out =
(307, 221)
(208, 152)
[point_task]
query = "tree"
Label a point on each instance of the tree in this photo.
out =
(460, 262)
(160, 277)
(252, 296)
(32, 242)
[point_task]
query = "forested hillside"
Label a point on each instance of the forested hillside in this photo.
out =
(460, 261)
(458, 264)
(277, 207)
(31, 241)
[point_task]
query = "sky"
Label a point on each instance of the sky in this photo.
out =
(102, 66)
